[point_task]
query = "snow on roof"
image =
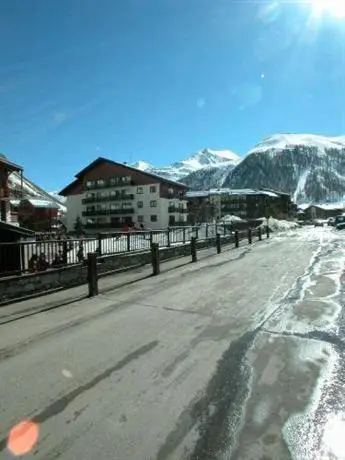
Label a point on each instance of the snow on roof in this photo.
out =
(42, 203)
(197, 194)
(325, 206)
(229, 191)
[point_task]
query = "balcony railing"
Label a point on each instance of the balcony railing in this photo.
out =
(105, 199)
(177, 209)
(107, 184)
(108, 212)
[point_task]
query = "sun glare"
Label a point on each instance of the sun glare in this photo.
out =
(336, 8)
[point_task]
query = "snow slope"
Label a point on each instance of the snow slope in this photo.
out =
(311, 168)
(203, 159)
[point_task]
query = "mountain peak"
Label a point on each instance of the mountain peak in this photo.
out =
(284, 141)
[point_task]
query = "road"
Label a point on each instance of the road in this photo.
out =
(239, 356)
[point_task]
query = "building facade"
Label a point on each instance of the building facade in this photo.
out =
(6, 168)
(107, 195)
(214, 204)
(38, 215)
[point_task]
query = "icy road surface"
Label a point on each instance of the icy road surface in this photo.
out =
(239, 356)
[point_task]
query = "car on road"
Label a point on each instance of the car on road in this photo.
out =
(339, 222)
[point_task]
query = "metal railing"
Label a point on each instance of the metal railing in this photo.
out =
(102, 199)
(32, 256)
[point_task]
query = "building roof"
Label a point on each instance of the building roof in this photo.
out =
(9, 165)
(41, 203)
(229, 191)
(16, 229)
(100, 160)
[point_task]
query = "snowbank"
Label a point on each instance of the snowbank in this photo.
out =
(276, 225)
(230, 218)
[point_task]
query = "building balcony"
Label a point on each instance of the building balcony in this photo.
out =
(108, 212)
(108, 184)
(177, 210)
(110, 198)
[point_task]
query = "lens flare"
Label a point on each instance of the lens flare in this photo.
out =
(335, 8)
(23, 437)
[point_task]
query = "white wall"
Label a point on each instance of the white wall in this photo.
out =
(74, 209)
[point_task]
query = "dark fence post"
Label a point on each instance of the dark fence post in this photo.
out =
(196, 232)
(219, 249)
(249, 235)
(155, 259)
(92, 274)
(237, 241)
(168, 237)
(224, 229)
(268, 231)
(207, 230)
(184, 235)
(151, 238)
(64, 252)
(259, 234)
(100, 244)
(128, 241)
(193, 249)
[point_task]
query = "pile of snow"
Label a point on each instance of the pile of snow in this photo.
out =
(230, 218)
(276, 225)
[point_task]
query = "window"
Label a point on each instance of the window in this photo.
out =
(114, 206)
(153, 189)
(153, 218)
(140, 219)
(140, 204)
(89, 183)
(140, 190)
(153, 204)
(100, 182)
(171, 191)
(126, 205)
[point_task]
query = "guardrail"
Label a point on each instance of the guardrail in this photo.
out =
(94, 259)
(32, 256)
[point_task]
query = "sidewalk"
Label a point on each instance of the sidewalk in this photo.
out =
(16, 310)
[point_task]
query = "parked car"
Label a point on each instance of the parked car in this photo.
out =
(318, 223)
(339, 220)
(340, 226)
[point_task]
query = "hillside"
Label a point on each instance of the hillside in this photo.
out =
(309, 167)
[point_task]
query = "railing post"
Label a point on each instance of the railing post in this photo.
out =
(249, 235)
(259, 233)
(64, 251)
(224, 229)
(92, 274)
(99, 244)
(267, 231)
(193, 248)
(155, 259)
(151, 238)
(197, 232)
(128, 241)
(219, 249)
(237, 241)
(206, 230)
(168, 237)
(184, 235)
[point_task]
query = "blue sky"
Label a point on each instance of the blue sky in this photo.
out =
(157, 80)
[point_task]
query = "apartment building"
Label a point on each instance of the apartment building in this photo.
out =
(107, 195)
(245, 203)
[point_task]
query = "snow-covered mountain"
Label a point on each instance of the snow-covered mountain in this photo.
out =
(309, 167)
(203, 160)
